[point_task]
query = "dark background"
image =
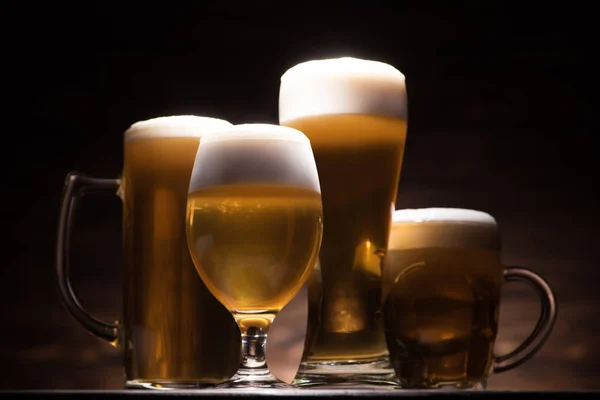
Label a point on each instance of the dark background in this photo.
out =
(499, 120)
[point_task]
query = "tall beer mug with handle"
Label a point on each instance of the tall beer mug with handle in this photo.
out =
(173, 333)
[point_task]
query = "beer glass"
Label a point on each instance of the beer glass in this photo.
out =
(441, 288)
(254, 223)
(354, 113)
(173, 333)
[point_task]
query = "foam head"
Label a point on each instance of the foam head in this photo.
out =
(342, 86)
(442, 215)
(255, 154)
(175, 126)
(443, 227)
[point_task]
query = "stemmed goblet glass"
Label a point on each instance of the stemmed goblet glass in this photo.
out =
(254, 227)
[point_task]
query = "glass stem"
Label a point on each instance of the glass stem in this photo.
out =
(254, 331)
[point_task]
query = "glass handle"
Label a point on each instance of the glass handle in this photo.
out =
(75, 186)
(544, 325)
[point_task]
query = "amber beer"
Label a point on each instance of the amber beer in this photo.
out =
(253, 242)
(441, 291)
(175, 332)
(354, 112)
(254, 216)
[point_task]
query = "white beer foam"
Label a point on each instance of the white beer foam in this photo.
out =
(442, 215)
(258, 132)
(342, 86)
(444, 228)
(175, 126)
(255, 154)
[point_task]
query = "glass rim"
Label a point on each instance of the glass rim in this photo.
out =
(256, 131)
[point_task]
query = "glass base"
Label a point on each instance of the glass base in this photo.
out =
(168, 385)
(369, 374)
(249, 379)
(461, 385)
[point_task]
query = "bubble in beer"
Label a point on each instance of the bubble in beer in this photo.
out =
(176, 126)
(255, 154)
(342, 86)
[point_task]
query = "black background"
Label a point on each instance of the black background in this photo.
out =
(500, 119)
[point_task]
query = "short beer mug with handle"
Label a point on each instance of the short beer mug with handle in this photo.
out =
(173, 333)
(441, 292)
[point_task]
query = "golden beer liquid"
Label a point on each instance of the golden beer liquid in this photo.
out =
(254, 245)
(175, 331)
(441, 311)
(358, 158)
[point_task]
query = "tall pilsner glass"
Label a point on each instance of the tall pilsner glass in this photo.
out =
(354, 113)
(172, 332)
(254, 223)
